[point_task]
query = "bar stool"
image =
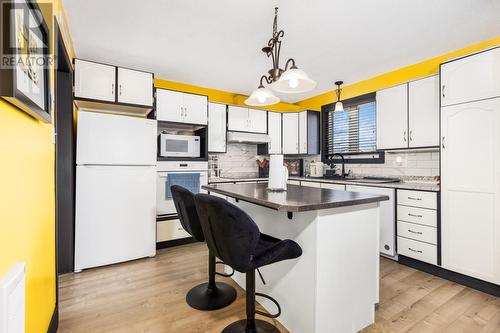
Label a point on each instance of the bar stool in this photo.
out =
(235, 238)
(207, 296)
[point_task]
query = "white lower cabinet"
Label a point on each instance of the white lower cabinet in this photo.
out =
(417, 250)
(338, 187)
(418, 232)
(293, 182)
(310, 184)
(170, 230)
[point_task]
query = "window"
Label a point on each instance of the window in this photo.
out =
(353, 131)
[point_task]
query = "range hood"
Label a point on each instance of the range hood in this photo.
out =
(243, 137)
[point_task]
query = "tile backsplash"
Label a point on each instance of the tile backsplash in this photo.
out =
(240, 162)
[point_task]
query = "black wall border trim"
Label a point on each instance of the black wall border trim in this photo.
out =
(54, 321)
(486, 287)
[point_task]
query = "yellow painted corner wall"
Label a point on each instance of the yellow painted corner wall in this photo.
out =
(422, 69)
(219, 96)
(27, 199)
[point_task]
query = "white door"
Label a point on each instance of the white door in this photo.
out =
(387, 216)
(470, 215)
(392, 117)
(115, 216)
(274, 131)
(115, 140)
(170, 105)
(303, 132)
(237, 118)
(471, 78)
(95, 81)
(195, 109)
(423, 112)
(290, 133)
(258, 121)
(135, 87)
(216, 128)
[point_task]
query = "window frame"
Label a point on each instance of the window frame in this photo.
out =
(378, 156)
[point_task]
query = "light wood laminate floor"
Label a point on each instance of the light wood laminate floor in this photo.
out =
(148, 295)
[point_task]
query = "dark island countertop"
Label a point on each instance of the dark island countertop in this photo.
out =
(295, 199)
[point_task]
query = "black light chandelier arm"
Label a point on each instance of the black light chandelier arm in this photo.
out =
(288, 62)
(268, 79)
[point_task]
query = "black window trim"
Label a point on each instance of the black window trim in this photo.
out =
(325, 109)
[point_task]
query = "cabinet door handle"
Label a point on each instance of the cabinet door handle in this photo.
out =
(412, 198)
(416, 251)
(120, 90)
(112, 88)
(413, 215)
(411, 135)
(444, 96)
(442, 142)
(404, 136)
(414, 232)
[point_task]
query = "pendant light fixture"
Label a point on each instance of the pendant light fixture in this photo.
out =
(288, 80)
(339, 106)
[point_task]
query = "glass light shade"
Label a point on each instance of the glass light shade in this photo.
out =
(294, 80)
(339, 107)
(261, 97)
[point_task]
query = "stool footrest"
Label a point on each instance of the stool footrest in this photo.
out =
(265, 314)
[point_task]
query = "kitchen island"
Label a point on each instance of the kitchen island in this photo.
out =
(333, 286)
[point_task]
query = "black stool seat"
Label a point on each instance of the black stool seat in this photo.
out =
(206, 296)
(235, 238)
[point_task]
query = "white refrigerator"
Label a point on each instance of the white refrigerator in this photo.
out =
(115, 189)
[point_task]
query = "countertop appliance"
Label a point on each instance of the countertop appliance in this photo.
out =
(174, 145)
(316, 169)
(278, 173)
(295, 168)
(115, 189)
(187, 174)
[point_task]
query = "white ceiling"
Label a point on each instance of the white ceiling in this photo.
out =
(217, 43)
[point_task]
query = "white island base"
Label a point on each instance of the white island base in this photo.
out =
(333, 287)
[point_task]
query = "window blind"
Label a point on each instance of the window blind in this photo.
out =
(354, 130)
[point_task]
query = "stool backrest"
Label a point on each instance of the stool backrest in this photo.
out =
(230, 233)
(186, 209)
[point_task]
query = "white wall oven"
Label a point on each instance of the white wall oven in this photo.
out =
(191, 175)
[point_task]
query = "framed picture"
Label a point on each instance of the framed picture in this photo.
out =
(25, 60)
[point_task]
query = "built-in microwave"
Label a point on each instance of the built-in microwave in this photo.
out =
(173, 145)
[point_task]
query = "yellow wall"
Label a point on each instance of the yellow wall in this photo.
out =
(27, 205)
(220, 96)
(424, 68)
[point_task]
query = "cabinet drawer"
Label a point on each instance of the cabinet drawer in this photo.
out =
(310, 184)
(339, 187)
(417, 250)
(417, 232)
(417, 215)
(417, 199)
(293, 182)
(170, 230)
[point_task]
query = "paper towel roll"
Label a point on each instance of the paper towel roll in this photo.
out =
(277, 173)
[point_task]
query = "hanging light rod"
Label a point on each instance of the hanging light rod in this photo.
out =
(288, 80)
(339, 106)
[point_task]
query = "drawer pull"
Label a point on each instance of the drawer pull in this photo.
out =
(180, 229)
(412, 250)
(412, 198)
(415, 232)
(413, 215)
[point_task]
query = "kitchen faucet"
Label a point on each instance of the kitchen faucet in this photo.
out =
(343, 174)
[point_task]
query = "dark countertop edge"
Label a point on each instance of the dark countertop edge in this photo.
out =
(400, 186)
(296, 209)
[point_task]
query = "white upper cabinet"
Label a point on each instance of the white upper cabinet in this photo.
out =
(303, 132)
(258, 121)
(290, 133)
(246, 120)
(95, 81)
(392, 117)
(423, 112)
(471, 78)
(274, 122)
(237, 118)
(470, 206)
(135, 87)
(180, 107)
(195, 109)
(216, 128)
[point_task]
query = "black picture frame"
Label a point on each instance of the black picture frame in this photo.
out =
(9, 86)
